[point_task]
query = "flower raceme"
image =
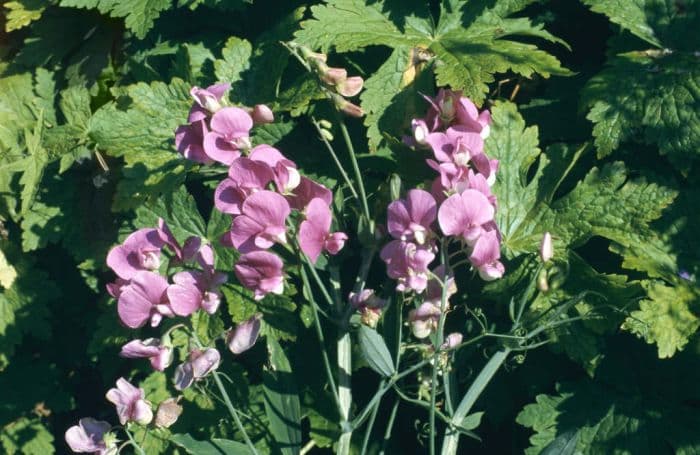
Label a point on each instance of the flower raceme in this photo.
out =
(460, 200)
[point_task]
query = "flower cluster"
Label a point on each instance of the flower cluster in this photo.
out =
(460, 203)
(262, 189)
(216, 131)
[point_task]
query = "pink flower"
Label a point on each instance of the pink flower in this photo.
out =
(456, 146)
(314, 231)
(408, 264)
(199, 365)
(140, 251)
(230, 133)
(464, 214)
(485, 256)
(261, 272)
(262, 222)
(306, 191)
(244, 336)
(161, 356)
(194, 290)
(286, 176)
(143, 299)
(246, 176)
(89, 437)
(424, 319)
(189, 141)
(207, 101)
(468, 116)
(130, 403)
(411, 219)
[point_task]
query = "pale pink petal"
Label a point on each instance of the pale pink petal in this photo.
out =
(311, 239)
(218, 149)
(335, 242)
(306, 191)
(184, 299)
(244, 232)
(267, 208)
(231, 122)
(244, 336)
(422, 207)
(228, 197)
(451, 215)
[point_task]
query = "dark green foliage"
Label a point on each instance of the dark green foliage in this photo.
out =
(596, 126)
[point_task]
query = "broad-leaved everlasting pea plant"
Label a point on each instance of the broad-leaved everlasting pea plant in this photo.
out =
(334, 227)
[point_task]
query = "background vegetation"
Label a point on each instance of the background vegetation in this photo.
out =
(596, 108)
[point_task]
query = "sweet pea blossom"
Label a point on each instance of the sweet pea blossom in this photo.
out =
(230, 132)
(262, 223)
(464, 214)
(140, 251)
(130, 403)
(424, 319)
(306, 191)
(285, 171)
(168, 412)
(143, 299)
(189, 141)
(207, 101)
(408, 264)
(193, 289)
(314, 231)
(198, 366)
(261, 272)
(485, 256)
(89, 437)
(160, 355)
(245, 176)
(244, 336)
(411, 219)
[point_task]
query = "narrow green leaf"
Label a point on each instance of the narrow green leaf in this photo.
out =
(375, 351)
(282, 404)
(213, 447)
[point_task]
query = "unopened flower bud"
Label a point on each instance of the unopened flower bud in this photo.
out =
(327, 135)
(420, 131)
(452, 341)
(347, 107)
(351, 86)
(204, 362)
(546, 248)
(168, 412)
(262, 114)
(244, 336)
(334, 76)
(325, 124)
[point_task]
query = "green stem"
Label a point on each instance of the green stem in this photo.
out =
(322, 341)
(233, 413)
(390, 425)
(355, 167)
(451, 439)
(370, 425)
(345, 389)
(439, 338)
(317, 279)
(227, 401)
(330, 149)
(134, 444)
